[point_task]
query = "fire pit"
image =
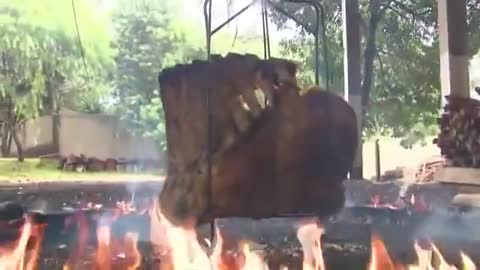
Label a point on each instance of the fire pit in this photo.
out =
(115, 234)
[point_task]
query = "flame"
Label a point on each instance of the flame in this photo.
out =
(441, 262)
(419, 203)
(185, 252)
(379, 259)
(428, 259)
(248, 259)
(82, 239)
(132, 252)
(309, 234)
(37, 235)
(375, 200)
(13, 259)
(178, 248)
(103, 254)
(467, 263)
(126, 251)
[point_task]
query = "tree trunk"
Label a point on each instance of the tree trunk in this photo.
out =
(9, 143)
(369, 58)
(4, 147)
(370, 52)
(18, 144)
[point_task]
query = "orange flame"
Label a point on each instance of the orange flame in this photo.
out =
(103, 255)
(81, 243)
(13, 259)
(133, 255)
(251, 260)
(180, 249)
(467, 263)
(428, 259)
(309, 234)
(37, 235)
(380, 260)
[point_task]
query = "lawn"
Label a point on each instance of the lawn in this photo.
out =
(32, 170)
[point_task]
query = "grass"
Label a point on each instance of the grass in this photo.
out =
(32, 170)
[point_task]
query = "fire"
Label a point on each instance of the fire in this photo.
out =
(37, 236)
(82, 239)
(184, 250)
(13, 258)
(178, 248)
(309, 234)
(380, 260)
(428, 259)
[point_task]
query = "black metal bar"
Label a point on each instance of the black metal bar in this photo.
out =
(318, 8)
(315, 5)
(264, 31)
(267, 29)
(207, 10)
(218, 28)
(207, 18)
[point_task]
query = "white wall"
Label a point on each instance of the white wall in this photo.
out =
(102, 137)
(35, 133)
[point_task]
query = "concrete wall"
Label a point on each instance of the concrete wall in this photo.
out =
(93, 135)
(36, 137)
(101, 136)
(37, 132)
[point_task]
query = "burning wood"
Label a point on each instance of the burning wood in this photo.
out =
(239, 244)
(290, 158)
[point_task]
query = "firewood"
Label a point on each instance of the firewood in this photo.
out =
(459, 138)
(95, 165)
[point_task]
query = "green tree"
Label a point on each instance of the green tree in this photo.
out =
(400, 59)
(150, 38)
(42, 64)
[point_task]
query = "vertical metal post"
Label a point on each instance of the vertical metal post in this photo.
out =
(266, 33)
(351, 43)
(207, 13)
(378, 169)
(319, 11)
(207, 8)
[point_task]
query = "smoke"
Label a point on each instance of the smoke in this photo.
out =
(450, 225)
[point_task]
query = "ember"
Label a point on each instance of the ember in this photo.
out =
(184, 248)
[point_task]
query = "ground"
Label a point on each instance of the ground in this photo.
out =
(392, 155)
(31, 170)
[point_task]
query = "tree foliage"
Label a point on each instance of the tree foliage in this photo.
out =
(41, 61)
(43, 67)
(149, 39)
(400, 56)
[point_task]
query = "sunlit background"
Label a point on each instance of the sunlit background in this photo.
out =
(124, 44)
